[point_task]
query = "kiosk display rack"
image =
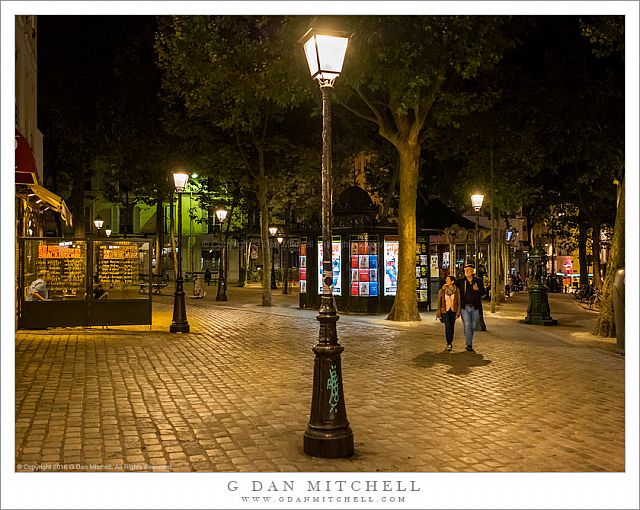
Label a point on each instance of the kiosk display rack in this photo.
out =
(364, 265)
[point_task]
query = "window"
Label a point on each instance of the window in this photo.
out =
(115, 219)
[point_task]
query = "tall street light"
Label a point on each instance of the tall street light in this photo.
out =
(328, 433)
(221, 214)
(98, 222)
(476, 202)
(179, 323)
(273, 231)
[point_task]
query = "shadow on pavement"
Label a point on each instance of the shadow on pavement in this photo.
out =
(460, 363)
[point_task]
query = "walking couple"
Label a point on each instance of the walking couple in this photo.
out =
(460, 298)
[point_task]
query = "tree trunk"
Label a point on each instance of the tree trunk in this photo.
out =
(247, 260)
(159, 234)
(405, 304)
(494, 260)
(595, 243)
(606, 324)
(582, 251)
(264, 231)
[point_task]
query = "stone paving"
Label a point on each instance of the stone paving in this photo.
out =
(234, 394)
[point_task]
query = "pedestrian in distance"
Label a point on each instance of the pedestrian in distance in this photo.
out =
(207, 276)
(448, 308)
(471, 292)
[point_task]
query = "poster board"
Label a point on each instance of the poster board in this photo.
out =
(391, 251)
(363, 279)
(336, 264)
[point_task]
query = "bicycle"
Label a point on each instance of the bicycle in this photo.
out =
(595, 299)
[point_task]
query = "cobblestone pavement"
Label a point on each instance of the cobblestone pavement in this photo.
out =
(234, 394)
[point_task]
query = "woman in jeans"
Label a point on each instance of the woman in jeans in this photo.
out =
(448, 308)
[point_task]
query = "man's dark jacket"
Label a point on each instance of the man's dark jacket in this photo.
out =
(468, 296)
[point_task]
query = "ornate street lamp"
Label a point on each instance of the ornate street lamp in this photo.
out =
(107, 231)
(273, 231)
(328, 433)
(221, 214)
(98, 222)
(179, 323)
(476, 202)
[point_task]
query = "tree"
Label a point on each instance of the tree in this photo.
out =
(405, 74)
(233, 72)
(606, 34)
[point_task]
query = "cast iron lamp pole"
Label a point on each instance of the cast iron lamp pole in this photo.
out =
(328, 433)
(221, 214)
(98, 222)
(476, 202)
(273, 231)
(179, 323)
(280, 239)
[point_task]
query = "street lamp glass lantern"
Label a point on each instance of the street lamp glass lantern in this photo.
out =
(476, 201)
(280, 239)
(273, 231)
(180, 181)
(221, 214)
(325, 51)
(107, 231)
(98, 222)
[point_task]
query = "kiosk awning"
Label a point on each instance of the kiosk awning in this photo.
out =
(26, 171)
(55, 202)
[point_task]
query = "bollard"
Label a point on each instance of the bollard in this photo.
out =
(618, 306)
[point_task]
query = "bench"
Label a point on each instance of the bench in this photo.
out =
(157, 284)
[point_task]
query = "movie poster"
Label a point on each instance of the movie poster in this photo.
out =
(335, 263)
(391, 246)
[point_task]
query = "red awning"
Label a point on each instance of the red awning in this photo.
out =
(26, 171)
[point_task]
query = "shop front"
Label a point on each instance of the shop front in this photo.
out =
(83, 282)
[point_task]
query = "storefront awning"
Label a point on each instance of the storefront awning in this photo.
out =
(26, 171)
(54, 201)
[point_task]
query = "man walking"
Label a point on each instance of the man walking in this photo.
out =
(471, 292)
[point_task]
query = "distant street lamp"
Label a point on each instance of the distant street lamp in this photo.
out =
(179, 323)
(510, 235)
(273, 231)
(98, 222)
(107, 231)
(280, 239)
(328, 433)
(476, 202)
(221, 214)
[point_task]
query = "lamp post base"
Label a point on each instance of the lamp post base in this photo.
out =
(328, 433)
(538, 311)
(182, 327)
(331, 444)
(222, 289)
(179, 324)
